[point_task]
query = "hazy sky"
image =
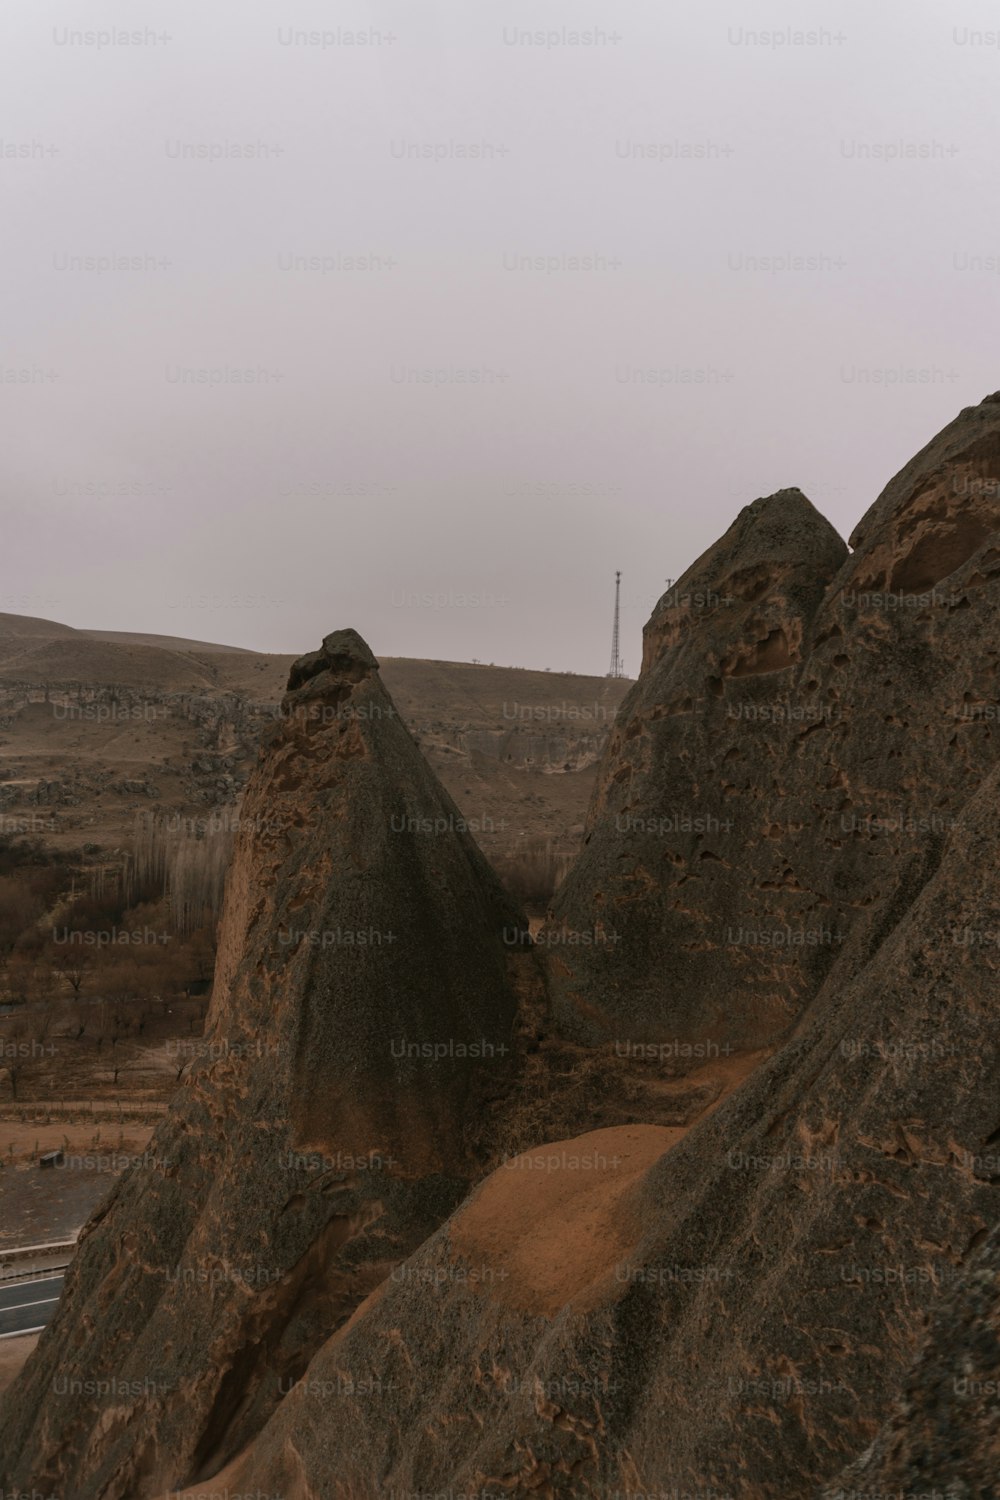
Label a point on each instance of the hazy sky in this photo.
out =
(508, 298)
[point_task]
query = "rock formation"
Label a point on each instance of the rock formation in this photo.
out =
(944, 1430)
(724, 1314)
(720, 1316)
(362, 1018)
(807, 725)
(792, 848)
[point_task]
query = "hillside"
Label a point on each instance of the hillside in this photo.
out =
(98, 726)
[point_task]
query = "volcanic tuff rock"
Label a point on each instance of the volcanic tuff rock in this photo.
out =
(945, 1427)
(718, 1310)
(727, 1312)
(723, 1317)
(808, 724)
(311, 1146)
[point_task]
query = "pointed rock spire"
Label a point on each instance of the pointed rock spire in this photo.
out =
(362, 1010)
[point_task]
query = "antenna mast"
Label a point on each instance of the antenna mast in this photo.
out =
(617, 665)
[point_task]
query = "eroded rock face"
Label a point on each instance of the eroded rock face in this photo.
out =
(726, 1313)
(720, 1316)
(720, 1310)
(944, 1431)
(316, 1143)
(808, 723)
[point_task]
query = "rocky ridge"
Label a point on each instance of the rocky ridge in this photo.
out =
(804, 729)
(714, 1301)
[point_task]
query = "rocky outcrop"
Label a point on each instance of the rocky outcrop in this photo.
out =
(723, 1315)
(723, 1311)
(792, 847)
(807, 725)
(362, 1021)
(943, 1436)
(226, 727)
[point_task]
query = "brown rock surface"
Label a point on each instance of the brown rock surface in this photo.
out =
(13, 1353)
(804, 729)
(311, 1149)
(944, 1431)
(725, 1320)
(775, 1269)
(720, 1310)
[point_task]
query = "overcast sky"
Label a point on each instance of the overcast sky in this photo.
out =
(504, 278)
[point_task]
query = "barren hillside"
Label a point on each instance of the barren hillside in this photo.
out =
(97, 726)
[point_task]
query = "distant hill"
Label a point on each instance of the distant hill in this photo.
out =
(96, 726)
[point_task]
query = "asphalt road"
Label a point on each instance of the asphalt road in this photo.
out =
(26, 1306)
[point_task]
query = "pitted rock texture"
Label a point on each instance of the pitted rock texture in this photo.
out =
(944, 1432)
(724, 1315)
(808, 724)
(311, 1148)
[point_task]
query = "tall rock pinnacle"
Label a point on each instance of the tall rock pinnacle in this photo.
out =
(807, 723)
(728, 1313)
(362, 1009)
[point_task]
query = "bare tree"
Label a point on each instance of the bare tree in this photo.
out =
(74, 970)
